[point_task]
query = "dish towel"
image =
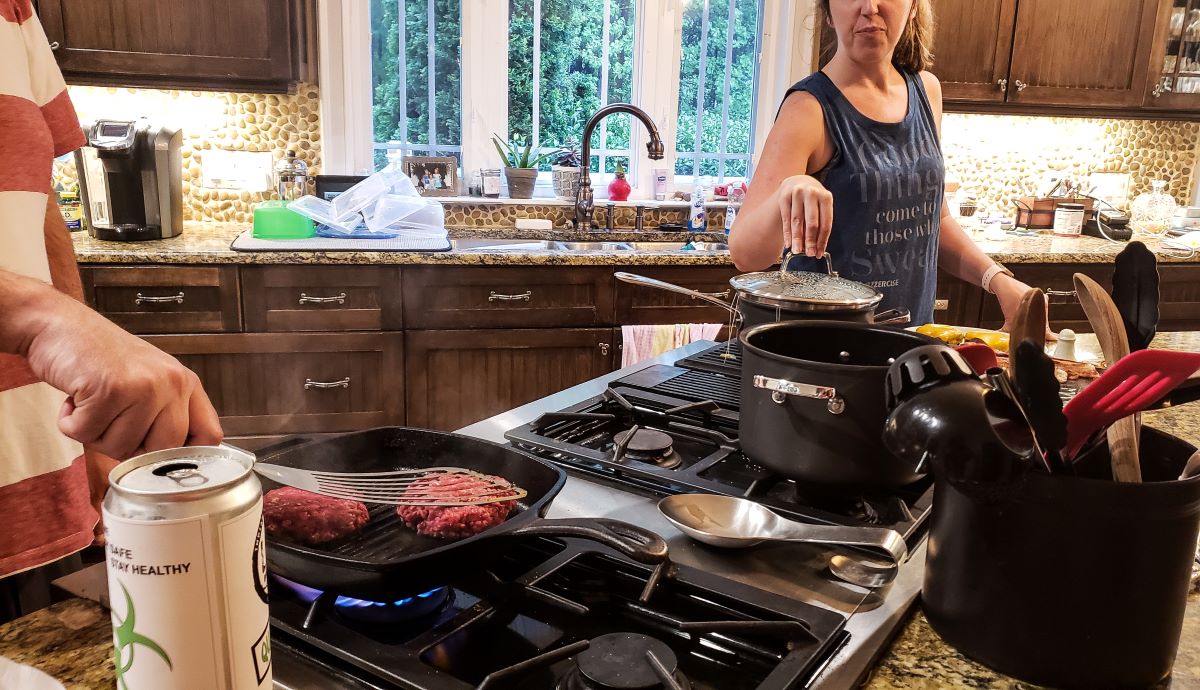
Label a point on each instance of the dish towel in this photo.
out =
(639, 343)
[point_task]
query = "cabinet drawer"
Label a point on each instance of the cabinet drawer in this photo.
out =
(645, 305)
(321, 298)
(1057, 280)
(165, 299)
(443, 297)
(298, 383)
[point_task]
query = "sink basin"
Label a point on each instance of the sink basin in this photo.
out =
(594, 246)
(673, 246)
(469, 243)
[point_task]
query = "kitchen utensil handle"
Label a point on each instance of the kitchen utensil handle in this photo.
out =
(340, 298)
(893, 317)
(787, 260)
(640, 544)
(635, 279)
(140, 298)
(886, 540)
(519, 297)
(1186, 392)
(344, 383)
(781, 388)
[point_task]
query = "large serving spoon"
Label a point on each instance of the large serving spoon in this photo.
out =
(1106, 321)
(736, 523)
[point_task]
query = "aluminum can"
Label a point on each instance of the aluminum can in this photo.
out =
(187, 574)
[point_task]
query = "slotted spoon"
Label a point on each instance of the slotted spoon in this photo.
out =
(1133, 384)
(399, 487)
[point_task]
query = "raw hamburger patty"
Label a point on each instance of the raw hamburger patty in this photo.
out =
(301, 516)
(455, 522)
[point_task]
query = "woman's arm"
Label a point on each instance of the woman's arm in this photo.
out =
(785, 205)
(958, 254)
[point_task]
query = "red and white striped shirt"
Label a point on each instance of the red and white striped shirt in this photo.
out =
(45, 512)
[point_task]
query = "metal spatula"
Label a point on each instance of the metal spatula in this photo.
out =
(433, 486)
(1131, 385)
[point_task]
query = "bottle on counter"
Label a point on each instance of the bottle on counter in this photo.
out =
(737, 194)
(71, 208)
(697, 217)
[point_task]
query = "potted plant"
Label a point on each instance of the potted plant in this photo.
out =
(566, 171)
(520, 165)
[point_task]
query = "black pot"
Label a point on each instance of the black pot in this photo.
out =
(813, 401)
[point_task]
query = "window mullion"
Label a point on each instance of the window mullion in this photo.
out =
(784, 57)
(535, 134)
(484, 80)
(431, 69)
(402, 68)
(723, 146)
(700, 78)
(604, 38)
(658, 39)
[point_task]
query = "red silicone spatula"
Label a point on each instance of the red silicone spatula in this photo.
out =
(979, 356)
(1133, 384)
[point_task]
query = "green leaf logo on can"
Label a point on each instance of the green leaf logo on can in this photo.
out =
(126, 640)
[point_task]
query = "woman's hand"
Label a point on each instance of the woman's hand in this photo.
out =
(806, 209)
(1009, 291)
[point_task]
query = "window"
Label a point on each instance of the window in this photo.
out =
(439, 77)
(567, 59)
(415, 78)
(719, 47)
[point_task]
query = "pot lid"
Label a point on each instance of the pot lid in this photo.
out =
(799, 288)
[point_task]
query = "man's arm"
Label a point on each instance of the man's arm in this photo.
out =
(126, 396)
(60, 251)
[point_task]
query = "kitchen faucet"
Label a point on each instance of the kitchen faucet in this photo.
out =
(584, 204)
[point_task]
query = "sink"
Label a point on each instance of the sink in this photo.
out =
(594, 246)
(469, 243)
(673, 246)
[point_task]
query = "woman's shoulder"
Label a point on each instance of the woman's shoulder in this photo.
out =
(932, 85)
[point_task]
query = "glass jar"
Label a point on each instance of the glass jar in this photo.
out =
(291, 177)
(1068, 219)
(1151, 211)
(491, 182)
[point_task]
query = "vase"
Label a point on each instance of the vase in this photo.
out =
(618, 189)
(520, 182)
(566, 182)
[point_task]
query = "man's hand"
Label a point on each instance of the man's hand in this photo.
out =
(125, 396)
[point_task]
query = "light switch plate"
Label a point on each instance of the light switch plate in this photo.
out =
(241, 170)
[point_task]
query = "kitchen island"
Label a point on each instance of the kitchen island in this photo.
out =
(71, 639)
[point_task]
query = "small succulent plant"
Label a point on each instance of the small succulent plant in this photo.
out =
(568, 155)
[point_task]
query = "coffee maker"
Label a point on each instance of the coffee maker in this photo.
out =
(131, 179)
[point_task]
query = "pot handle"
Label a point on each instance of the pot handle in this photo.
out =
(897, 317)
(787, 259)
(663, 285)
(640, 544)
(781, 388)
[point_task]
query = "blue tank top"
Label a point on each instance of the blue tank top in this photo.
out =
(887, 181)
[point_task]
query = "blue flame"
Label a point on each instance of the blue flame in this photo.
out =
(308, 594)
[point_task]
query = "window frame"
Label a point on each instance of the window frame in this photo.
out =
(784, 55)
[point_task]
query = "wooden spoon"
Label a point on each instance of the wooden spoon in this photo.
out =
(1106, 321)
(1029, 323)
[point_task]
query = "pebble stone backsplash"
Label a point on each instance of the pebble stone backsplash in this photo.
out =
(1000, 156)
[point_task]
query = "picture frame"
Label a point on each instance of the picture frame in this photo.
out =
(432, 175)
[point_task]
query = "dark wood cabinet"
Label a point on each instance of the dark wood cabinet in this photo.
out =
(972, 47)
(260, 45)
(507, 297)
(1081, 52)
(957, 302)
(264, 383)
(165, 299)
(637, 304)
(1175, 60)
(322, 298)
(458, 377)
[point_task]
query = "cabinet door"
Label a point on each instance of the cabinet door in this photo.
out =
(207, 43)
(321, 298)
(1175, 61)
(1081, 52)
(456, 378)
(263, 383)
(972, 47)
(958, 302)
(637, 304)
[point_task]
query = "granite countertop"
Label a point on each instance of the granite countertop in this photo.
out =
(208, 243)
(72, 640)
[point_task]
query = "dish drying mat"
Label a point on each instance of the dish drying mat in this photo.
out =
(247, 242)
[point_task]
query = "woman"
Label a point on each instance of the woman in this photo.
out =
(853, 165)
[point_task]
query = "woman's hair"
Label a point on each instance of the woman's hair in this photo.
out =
(914, 52)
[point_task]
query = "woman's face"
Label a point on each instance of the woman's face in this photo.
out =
(868, 30)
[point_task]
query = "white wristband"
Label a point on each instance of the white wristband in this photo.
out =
(988, 275)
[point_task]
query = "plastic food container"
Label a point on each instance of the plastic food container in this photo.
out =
(273, 220)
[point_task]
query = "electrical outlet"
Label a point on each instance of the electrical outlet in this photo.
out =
(248, 171)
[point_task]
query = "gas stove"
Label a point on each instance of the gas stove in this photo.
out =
(669, 429)
(562, 615)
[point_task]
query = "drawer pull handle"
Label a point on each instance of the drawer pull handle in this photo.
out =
(344, 383)
(1050, 294)
(140, 299)
(604, 349)
(305, 299)
(522, 297)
